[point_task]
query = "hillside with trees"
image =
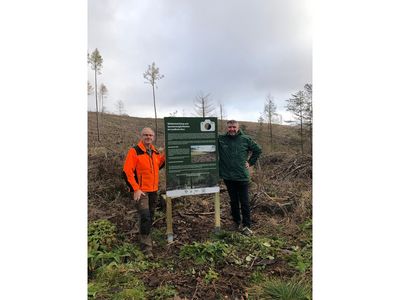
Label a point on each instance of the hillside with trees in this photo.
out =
(200, 264)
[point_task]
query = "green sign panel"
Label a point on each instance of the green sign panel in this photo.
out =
(192, 156)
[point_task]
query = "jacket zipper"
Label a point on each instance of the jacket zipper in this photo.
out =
(152, 169)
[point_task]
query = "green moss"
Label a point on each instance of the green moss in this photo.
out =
(137, 293)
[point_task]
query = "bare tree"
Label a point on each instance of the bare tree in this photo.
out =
(152, 75)
(269, 113)
(260, 120)
(308, 112)
(96, 62)
(203, 105)
(297, 106)
(89, 88)
(103, 91)
(120, 107)
(174, 113)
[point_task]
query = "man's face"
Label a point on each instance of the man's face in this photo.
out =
(232, 128)
(147, 137)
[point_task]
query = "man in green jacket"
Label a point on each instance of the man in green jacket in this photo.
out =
(237, 153)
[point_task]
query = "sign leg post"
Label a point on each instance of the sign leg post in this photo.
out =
(217, 213)
(170, 234)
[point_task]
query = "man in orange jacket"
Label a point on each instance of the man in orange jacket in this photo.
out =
(141, 167)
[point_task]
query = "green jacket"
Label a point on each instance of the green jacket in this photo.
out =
(233, 154)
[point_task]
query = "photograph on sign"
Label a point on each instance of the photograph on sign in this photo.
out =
(203, 153)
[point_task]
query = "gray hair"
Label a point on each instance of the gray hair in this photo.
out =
(232, 122)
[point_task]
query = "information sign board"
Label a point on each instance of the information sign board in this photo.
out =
(191, 156)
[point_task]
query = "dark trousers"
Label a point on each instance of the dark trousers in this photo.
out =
(239, 200)
(146, 207)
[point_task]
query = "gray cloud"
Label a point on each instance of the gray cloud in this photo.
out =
(239, 51)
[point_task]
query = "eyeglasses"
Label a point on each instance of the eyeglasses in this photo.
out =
(145, 134)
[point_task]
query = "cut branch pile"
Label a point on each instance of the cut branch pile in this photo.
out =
(276, 187)
(281, 166)
(108, 196)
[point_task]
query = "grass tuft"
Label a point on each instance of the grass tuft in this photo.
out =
(277, 289)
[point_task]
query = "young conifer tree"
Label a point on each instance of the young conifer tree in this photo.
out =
(297, 106)
(96, 63)
(269, 113)
(152, 75)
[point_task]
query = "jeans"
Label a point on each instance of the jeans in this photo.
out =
(239, 200)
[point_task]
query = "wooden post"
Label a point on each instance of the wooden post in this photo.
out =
(170, 234)
(217, 213)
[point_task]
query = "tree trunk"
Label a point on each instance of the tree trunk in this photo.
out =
(101, 102)
(311, 139)
(301, 135)
(155, 114)
(270, 134)
(97, 108)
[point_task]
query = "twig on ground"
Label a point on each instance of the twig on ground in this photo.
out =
(159, 219)
(195, 291)
(199, 213)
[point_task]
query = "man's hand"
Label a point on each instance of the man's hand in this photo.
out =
(137, 194)
(250, 168)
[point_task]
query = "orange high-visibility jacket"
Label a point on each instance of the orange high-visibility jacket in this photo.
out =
(141, 169)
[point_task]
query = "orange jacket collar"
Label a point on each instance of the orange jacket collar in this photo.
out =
(143, 147)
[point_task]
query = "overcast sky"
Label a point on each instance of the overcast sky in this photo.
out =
(237, 51)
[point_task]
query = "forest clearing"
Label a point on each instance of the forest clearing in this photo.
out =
(274, 263)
